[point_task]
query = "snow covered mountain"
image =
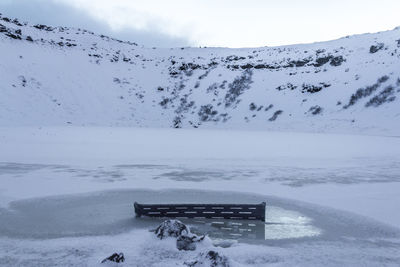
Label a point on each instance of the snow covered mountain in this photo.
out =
(60, 76)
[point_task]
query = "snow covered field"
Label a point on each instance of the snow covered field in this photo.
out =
(67, 76)
(312, 129)
(66, 194)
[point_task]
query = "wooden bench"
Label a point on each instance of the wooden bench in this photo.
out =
(203, 211)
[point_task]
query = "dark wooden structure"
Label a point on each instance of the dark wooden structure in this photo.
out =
(203, 211)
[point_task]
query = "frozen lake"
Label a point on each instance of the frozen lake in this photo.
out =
(96, 218)
(111, 212)
(67, 194)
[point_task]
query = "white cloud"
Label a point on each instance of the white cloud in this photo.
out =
(236, 23)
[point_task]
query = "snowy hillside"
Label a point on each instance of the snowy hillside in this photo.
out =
(69, 176)
(61, 76)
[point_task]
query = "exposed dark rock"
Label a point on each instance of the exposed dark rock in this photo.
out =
(315, 110)
(3, 28)
(234, 58)
(211, 258)
(16, 22)
(68, 44)
(365, 92)
(237, 87)
(207, 112)
(23, 80)
(204, 75)
(375, 48)
(299, 63)
(177, 122)
(286, 86)
(43, 27)
(13, 36)
(333, 61)
(275, 116)
(164, 102)
(95, 55)
(337, 61)
(116, 257)
(310, 88)
(386, 95)
(246, 66)
(184, 239)
(269, 107)
(184, 105)
(252, 106)
(185, 242)
(213, 88)
(322, 61)
(189, 66)
(383, 79)
(260, 66)
(171, 228)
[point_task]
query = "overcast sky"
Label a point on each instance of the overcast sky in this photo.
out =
(231, 23)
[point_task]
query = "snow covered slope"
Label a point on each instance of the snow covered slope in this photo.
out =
(59, 76)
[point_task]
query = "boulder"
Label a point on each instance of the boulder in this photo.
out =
(185, 240)
(171, 228)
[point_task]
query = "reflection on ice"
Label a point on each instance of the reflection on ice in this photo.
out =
(230, 229)
(283, 224)
(280, 224)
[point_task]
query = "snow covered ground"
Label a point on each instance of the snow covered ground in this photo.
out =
(66, 76)
(311, 129)
(66, 194)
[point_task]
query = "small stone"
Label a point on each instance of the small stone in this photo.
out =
(116, 257)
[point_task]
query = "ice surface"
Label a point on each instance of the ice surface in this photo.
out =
(107, 218)
(67, 195)
(112, 212)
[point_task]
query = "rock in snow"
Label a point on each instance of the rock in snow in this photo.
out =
(172, 228)
(185, 242)
(266, 88)
(209, 259)
(116, 257)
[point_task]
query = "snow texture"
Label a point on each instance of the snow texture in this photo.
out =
(54, 76)
(86, 130)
